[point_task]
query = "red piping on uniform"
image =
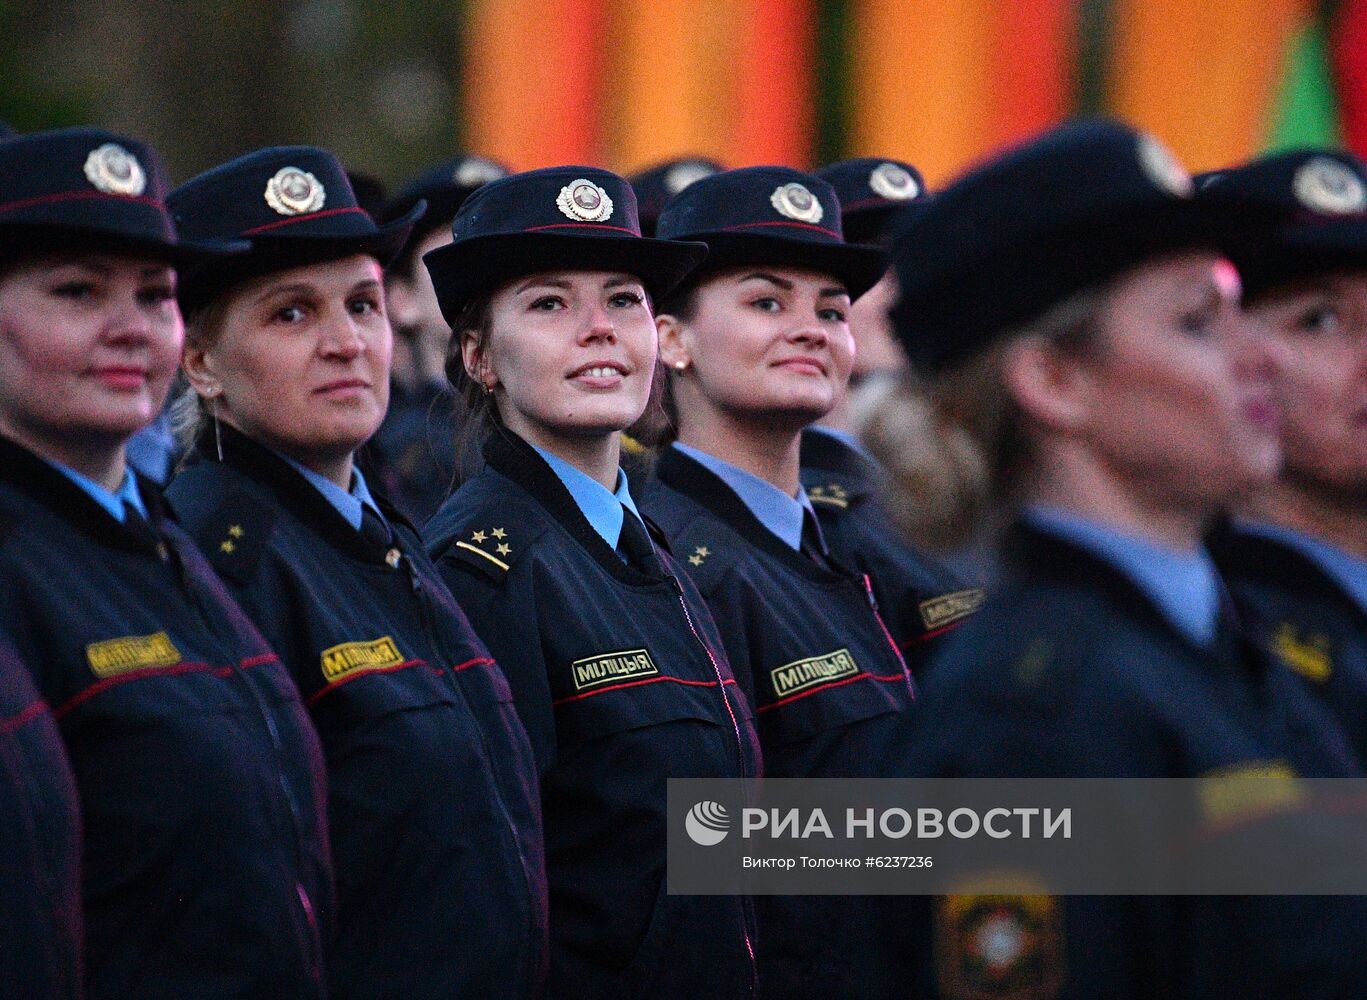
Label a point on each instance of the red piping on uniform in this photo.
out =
(886, 679)
(931, 635)
(47, 199)
(629, 684)
(582, 225)
(21, 719)
(797, 225)
(479, 661)
(176, 669)
(334, 685)
(306, 218)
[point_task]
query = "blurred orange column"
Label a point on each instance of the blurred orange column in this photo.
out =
(774, 100)
(670, 66)
(1202, 76)
(1034, 71)
(922, 82)
(531, 81)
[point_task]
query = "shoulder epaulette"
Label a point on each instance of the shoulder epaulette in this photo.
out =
(706, 548)
(236, 534)
(830, 491)
(490, 537)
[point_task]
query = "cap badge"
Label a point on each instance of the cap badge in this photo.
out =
(114, 170)
(475, 171)
(1162, 168)
(1327, 186)
(293, 192)
(893, 182)
(584, 201)
(681, 175)
(796, 202)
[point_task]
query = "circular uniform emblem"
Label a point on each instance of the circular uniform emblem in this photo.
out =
(681, 175)
(894, 183)
(114, 170)
(1162, 168)
(1327, 186)
(475, 171)
(796, 202)
(293, 192)
(584, 201)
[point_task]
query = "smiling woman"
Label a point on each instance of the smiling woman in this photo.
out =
(429, 772)
(614, 661)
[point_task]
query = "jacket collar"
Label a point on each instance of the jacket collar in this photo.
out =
(516, 460)
(264, 467)
(30, 475)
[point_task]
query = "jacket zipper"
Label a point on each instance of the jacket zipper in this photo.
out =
(740, 759)
(873, 606)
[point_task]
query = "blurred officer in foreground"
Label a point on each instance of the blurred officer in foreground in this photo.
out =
(757, 345)
(614, 661)
(1297, 563)
(431, 789)
(1071, 309)
(421, 451)
(199, 774)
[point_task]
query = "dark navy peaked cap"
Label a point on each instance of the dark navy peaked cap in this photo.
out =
(1323, 195)
(293, 205)
(445, 186)
(556, 219)
(656, 185)
(871, 192)
(89, 187)
(1065, 212)
(770, 215)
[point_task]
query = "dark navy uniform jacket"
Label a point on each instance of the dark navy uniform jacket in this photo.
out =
(920, 599)
(413, 454)
(206, 860)
(833, 696)
(1304, 618)
(621, 680)
(432, 797)
(1070, 671)
(40, 830)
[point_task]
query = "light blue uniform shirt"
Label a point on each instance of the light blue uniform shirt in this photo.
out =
(773, 508)
(1184, 585)
(347, 504)
(1344, 568)
(112, 502)
(601, 507)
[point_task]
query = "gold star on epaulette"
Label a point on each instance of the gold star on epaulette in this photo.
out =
(480, 538)
(229, 545)
(226, 546)
(699, 554)
(235, 530)
(833, 494)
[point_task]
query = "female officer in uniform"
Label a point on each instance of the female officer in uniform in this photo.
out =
(206, 867)
(1297, 563)
(614, 662)
(757, 346)
(431, 789)
(40, 871)
(1072, 320)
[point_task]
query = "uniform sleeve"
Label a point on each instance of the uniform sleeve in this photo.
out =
(505, 615)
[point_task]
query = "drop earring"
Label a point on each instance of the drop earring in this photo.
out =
(218, 429)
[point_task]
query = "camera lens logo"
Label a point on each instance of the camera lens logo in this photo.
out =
(707, 823)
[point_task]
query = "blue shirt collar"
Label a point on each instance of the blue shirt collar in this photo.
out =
(773, 508)
(601, 507)
(1344, 568)
(112, 502)
(1184, 585)
(348, 504)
